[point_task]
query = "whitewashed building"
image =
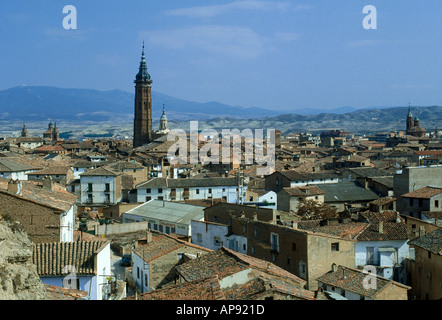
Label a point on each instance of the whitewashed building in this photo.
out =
(100, 187)
(226, 189)
(212, 235)
(166, 216)
(81, 265)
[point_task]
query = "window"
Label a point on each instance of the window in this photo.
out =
(420, 202)
(148, 190)
(145, 280)
(217, 241)
(138, 272)
(429, 254)
(335, 246)
(199, 237)
(89, 187)
(293, 246)
(411, 202)
(160, 198)
(436, 203)
(210, 190)
(160, 190)
(107, 187)
(89, 198)
(274, 242)
(370, 255)
(197, 191)
(148, 198)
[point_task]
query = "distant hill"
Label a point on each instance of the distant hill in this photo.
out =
(38, 104)
(359, 121)
(42, 103)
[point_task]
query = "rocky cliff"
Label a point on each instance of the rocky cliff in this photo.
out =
(18, 275)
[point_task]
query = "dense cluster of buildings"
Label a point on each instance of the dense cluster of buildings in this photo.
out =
(341, 217)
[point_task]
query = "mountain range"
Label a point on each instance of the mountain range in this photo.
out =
(43, 103)
(40, 104)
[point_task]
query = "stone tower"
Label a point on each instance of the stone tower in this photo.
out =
(24, 131)
(409, 121)
(143, 105)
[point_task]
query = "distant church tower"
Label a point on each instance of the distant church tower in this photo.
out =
(143, 105)
(24, 131)
(163, 122)
(409, 121)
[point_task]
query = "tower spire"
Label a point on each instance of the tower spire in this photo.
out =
(142, 74)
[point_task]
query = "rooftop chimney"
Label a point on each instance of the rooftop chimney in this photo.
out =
(148, 236)
(334, 267)
(398, 217)
(14, 186)
(47, 183)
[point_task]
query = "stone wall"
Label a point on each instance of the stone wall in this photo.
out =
(18, 275)
(41, 223)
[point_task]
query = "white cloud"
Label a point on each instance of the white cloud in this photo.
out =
(249, 5)
(234, 41)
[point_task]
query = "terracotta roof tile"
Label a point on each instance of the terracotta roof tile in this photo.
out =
(352, 280)
(423, 193)
(201, 289)
(55, 259)
(431, 242)
(59, 293)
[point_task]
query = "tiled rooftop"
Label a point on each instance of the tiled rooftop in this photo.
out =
(259, 286)
(353, 279)
(201, 289)
(304, 191)
(431, 242)
(54, 259)
(423, 193)
(59, 293)
(225, 262)
(33, 191)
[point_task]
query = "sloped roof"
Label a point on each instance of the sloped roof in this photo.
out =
(294, 175)
(168, 211)
(12, 165)
(304, 191)
(431, 241)
(60, 293)
(225, 262)
(101, 171)
(353, 279)
(53, 259)
(346, 192)
(187, 183)
(33, 191)
(51, 170)
(201, 289)
(254, 288)
(423, 193)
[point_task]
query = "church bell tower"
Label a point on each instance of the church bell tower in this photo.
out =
(143, 105)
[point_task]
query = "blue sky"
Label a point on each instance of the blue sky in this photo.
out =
(284, 55)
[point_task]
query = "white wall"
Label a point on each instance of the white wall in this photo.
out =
(317, 181)
(67, 225)
(195, 193)
(139, 270)
(207, 236)
(98, 187)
